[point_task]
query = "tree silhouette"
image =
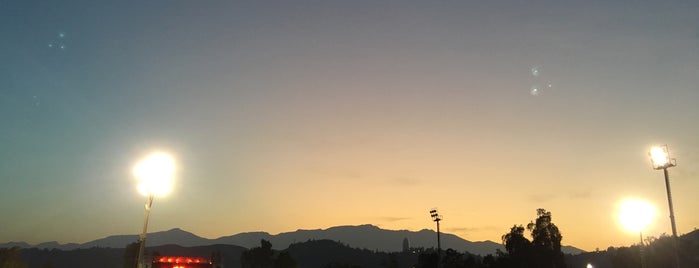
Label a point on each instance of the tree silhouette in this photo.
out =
(453, 259)
(519, 248)
(427, 259)
(9, 258)
(284, 260)
(544, 250)
(264, 257)
(546, 240)
(131, 255)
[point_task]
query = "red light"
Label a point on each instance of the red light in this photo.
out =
(177, 260)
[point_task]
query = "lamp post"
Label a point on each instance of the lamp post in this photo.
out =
(660, 158)
(436, 218)
(155, 179)
(634, 216)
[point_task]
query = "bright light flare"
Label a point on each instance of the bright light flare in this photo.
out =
(155, 174)
(635, 215)
(660, 157)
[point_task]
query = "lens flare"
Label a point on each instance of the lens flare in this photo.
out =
(635, 215)
(155, 174)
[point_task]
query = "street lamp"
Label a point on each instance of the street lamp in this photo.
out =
(436, 218)
(154, 174)
(634, 216)
(660, 158)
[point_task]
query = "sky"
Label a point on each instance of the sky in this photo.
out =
(286, 115)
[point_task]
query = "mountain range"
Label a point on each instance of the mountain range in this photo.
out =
(362, 236)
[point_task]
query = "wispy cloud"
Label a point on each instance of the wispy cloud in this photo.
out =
(393, 219)
(581, 194)
(406, 181)
(540, 198)
(467, 230)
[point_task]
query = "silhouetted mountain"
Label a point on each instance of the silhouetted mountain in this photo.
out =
(571, 250)
(15, 244)
(692, 236)
(174, 236)
(362, 236)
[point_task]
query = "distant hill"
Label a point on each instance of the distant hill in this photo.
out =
(362, 236)
(365, 237)
(174, 236)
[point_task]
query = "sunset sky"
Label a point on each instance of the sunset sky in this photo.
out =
(286, 115)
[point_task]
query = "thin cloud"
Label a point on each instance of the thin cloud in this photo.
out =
(584, 194)
(467, 230)
(393, 219)
(406, 181)
(541, 198)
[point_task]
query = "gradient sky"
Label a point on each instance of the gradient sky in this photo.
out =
(288, 115)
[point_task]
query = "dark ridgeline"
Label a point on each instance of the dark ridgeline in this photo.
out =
(326, 253)
(362, 236)
(543, 250)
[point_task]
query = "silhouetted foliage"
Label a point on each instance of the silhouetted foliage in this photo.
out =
(264, 257)
(259, 257)
(546, 241)
(392, 261)
(453, 259)
(9, 258)
(284, 260)
(450, 259)
(499, 260)
(131, 255)
(427, 259)
(519, 248)
(544, 250)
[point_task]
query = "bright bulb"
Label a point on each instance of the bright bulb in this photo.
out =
(155, 174)
(659, 156)
(635, 215)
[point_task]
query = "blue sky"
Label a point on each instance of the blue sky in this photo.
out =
(310, 114)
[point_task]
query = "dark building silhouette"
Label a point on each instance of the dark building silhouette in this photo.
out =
(406, 245)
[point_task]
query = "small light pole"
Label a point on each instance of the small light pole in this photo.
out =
(155, 178)
(660, 158)
(437, 218)
(636, 215)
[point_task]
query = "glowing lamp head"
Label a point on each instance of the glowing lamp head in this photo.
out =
(635, 215)
(660, 157)
(154, 174)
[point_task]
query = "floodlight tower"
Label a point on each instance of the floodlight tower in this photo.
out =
(660, 158)
(437, 218)
(155, 174)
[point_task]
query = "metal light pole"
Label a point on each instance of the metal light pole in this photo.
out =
(641, 250)
(155, 178)
(436, 218)
(142, 238)
(660, 158)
